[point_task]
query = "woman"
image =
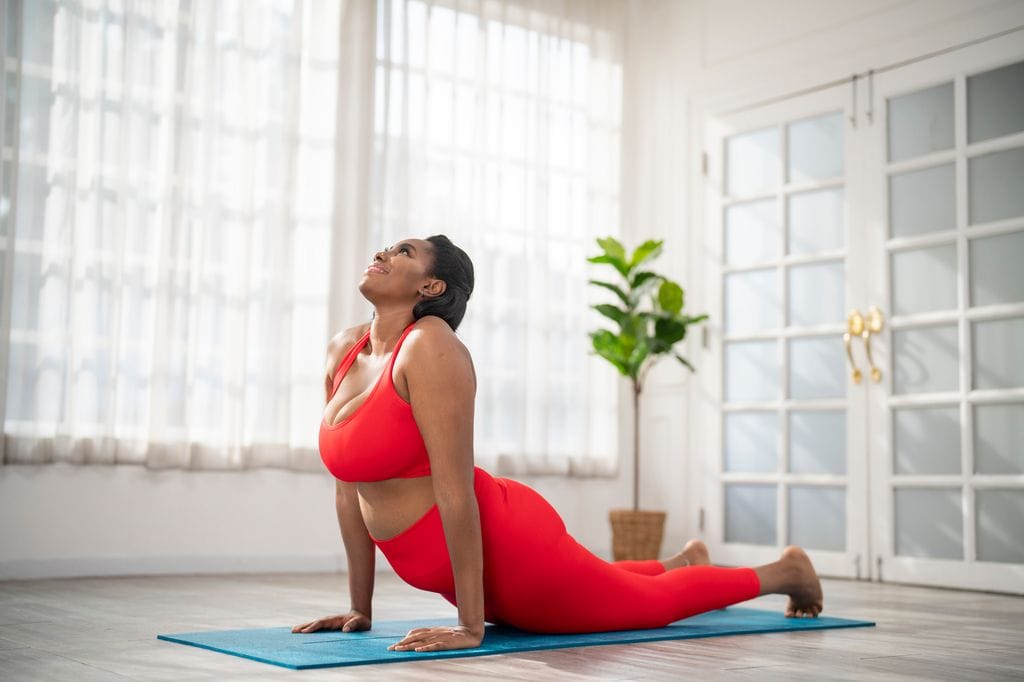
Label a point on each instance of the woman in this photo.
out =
(397, 433)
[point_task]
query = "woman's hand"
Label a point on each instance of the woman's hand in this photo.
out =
(441, 638)
(349, 622)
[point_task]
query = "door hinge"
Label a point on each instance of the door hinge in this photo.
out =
(704, 337)
(704, 164)
(856, 564)
(700, 520)
(878, 564)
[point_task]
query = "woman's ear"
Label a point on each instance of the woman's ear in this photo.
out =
(433, 288)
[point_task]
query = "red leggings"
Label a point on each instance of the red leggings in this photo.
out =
(538, 578)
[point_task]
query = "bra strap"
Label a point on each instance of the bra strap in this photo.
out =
(394, 353)
(349, 358)
(389, 370)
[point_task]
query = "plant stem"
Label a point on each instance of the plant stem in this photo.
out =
(636, 446)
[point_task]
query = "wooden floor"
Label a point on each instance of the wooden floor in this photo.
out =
(105, 628)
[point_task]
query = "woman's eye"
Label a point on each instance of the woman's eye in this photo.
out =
(404, 249)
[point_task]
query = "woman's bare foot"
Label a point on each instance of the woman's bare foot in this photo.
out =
(793, 574)
(695, 553)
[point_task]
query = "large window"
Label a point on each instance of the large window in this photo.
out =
(177, 228)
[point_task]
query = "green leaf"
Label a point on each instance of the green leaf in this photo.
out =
(617, 263)
(627, 342)
(636, 360)
(669, 331)
(609, 346)
(604, 339)
(685, 362)
(643, 276)
(612, 247)
(613, 313)
(649, 249)
(641, 326)
(670, 296)
(615, 289)
(618, 364)
(641, 284)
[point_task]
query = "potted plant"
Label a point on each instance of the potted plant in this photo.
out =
(649, 321)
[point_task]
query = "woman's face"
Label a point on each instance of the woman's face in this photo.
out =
(402, 271)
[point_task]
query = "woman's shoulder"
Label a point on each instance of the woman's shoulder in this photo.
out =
(431, 330)
(432, 337)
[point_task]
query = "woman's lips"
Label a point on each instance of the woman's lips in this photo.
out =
(375, 268)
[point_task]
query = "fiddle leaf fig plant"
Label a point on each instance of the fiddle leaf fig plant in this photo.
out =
(648, 321)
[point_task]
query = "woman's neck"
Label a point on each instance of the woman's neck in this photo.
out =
(386, 328)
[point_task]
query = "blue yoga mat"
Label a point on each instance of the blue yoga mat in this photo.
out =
(279, 646)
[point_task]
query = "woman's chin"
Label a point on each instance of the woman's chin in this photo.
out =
(365, 288)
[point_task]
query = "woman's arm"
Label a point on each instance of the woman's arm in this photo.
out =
(442, 387)
(359, 548)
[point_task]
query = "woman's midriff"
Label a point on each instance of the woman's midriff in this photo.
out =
(392, 506)
(419, 552)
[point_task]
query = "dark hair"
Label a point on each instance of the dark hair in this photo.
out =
(452, 265)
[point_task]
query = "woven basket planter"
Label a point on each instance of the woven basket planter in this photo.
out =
(636, 535)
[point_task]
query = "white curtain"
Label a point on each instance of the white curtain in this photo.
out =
(191, 190)
(498, 124)
(170, 227)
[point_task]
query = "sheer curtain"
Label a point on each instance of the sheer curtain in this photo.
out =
(169, 227)
(191, 189)
(498, 124)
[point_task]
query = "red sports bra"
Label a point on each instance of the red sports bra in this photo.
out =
(380, 440)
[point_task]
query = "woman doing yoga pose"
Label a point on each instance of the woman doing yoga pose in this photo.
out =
(397, 434)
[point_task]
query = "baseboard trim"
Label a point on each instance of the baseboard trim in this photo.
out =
(83, 567)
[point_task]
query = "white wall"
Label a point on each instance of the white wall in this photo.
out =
(682, 58)
(95, 520)
(67, 520)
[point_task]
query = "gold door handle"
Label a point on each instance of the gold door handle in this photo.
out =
(854, 327)
(873, 325)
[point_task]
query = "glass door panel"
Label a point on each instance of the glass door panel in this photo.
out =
(817, 441)
(815, 221)
(920, 122)
(751, 442)
(995, 265)
(935, 265)
(995, 103)
(922, 201)
(998, 435)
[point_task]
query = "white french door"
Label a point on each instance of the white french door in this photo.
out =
(947, 263)
(785, 417)
(868, 325)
